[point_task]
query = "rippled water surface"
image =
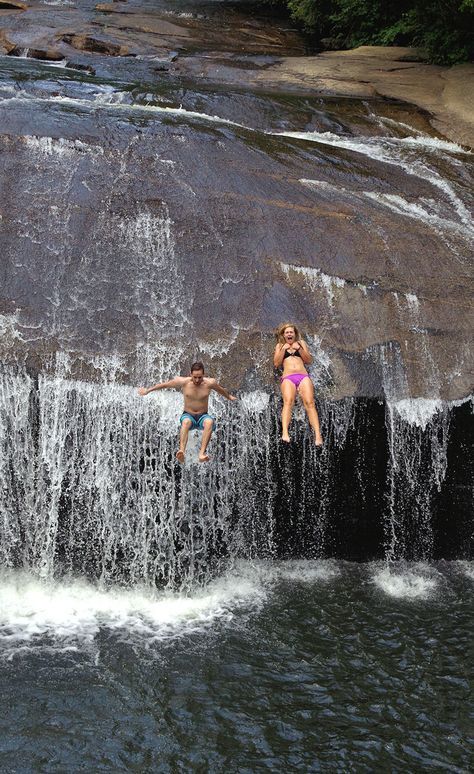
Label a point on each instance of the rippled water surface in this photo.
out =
(301, 666)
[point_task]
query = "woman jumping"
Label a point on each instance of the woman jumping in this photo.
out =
(292, 354)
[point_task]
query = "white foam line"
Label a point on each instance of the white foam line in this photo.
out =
(368, 145)
(395, 203)
(387, 150)
(373, 147)
(399, 125)
(106, 102)
(414, 210)
(49, 146)
(316, 278)
(323, 185)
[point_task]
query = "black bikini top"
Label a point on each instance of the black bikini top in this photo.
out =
(292, 354)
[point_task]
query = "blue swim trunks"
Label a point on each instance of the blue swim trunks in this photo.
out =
(197, 420)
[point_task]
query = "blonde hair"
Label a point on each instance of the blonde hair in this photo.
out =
(281, 328)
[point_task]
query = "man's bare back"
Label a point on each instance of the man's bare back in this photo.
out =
(196, 389)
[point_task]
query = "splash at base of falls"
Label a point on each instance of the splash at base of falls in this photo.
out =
(90, 485)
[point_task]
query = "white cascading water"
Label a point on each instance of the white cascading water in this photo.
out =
(90, 486)
(418, 432)
(100, 493)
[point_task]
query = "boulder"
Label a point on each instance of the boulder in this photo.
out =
(96, 45)
(44, 54)
(12, 5)
(5, 45)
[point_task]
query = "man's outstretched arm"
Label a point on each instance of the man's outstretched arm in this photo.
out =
(221, 390)
(177, 382)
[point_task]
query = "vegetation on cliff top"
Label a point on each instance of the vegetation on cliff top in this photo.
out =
(444, 29)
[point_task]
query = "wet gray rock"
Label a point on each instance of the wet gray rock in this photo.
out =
(151, 216)
(45, 55)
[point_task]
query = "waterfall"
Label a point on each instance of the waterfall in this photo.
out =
(127, 254)
(418, 432)
(89, 484)
(17, 466)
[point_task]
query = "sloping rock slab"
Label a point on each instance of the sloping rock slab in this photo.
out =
(95, 45)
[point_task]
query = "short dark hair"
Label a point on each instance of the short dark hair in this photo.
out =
(197, 366)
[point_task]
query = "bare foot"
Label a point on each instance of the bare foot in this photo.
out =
(203, 457)
(180, 456)
(285, 438)
(318, 441)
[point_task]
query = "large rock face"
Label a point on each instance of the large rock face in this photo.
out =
(148, 218)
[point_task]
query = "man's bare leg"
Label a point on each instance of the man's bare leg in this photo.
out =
(288, 391)
(183, 439)
(206, 437)
(307, 396)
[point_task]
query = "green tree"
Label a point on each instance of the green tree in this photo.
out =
(444, 28)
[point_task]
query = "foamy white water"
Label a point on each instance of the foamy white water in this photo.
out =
(421, 212)
(373, 146)
(109, 99)
(255, 402)
(418, 411)
(467, 568)
(76, 609)
(417, 582)
(49, 146)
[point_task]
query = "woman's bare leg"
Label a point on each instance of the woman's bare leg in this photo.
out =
(306, 391)
(288, 391)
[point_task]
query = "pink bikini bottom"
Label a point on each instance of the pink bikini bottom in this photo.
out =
(295, 378)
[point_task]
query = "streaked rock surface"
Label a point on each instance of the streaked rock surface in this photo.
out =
(178, 182)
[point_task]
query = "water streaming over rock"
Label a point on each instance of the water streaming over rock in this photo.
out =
(163, 225)
(98, 491)
(90, 483)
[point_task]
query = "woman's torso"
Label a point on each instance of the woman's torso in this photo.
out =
(293, 364)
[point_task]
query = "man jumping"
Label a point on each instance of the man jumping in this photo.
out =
(195, 389)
